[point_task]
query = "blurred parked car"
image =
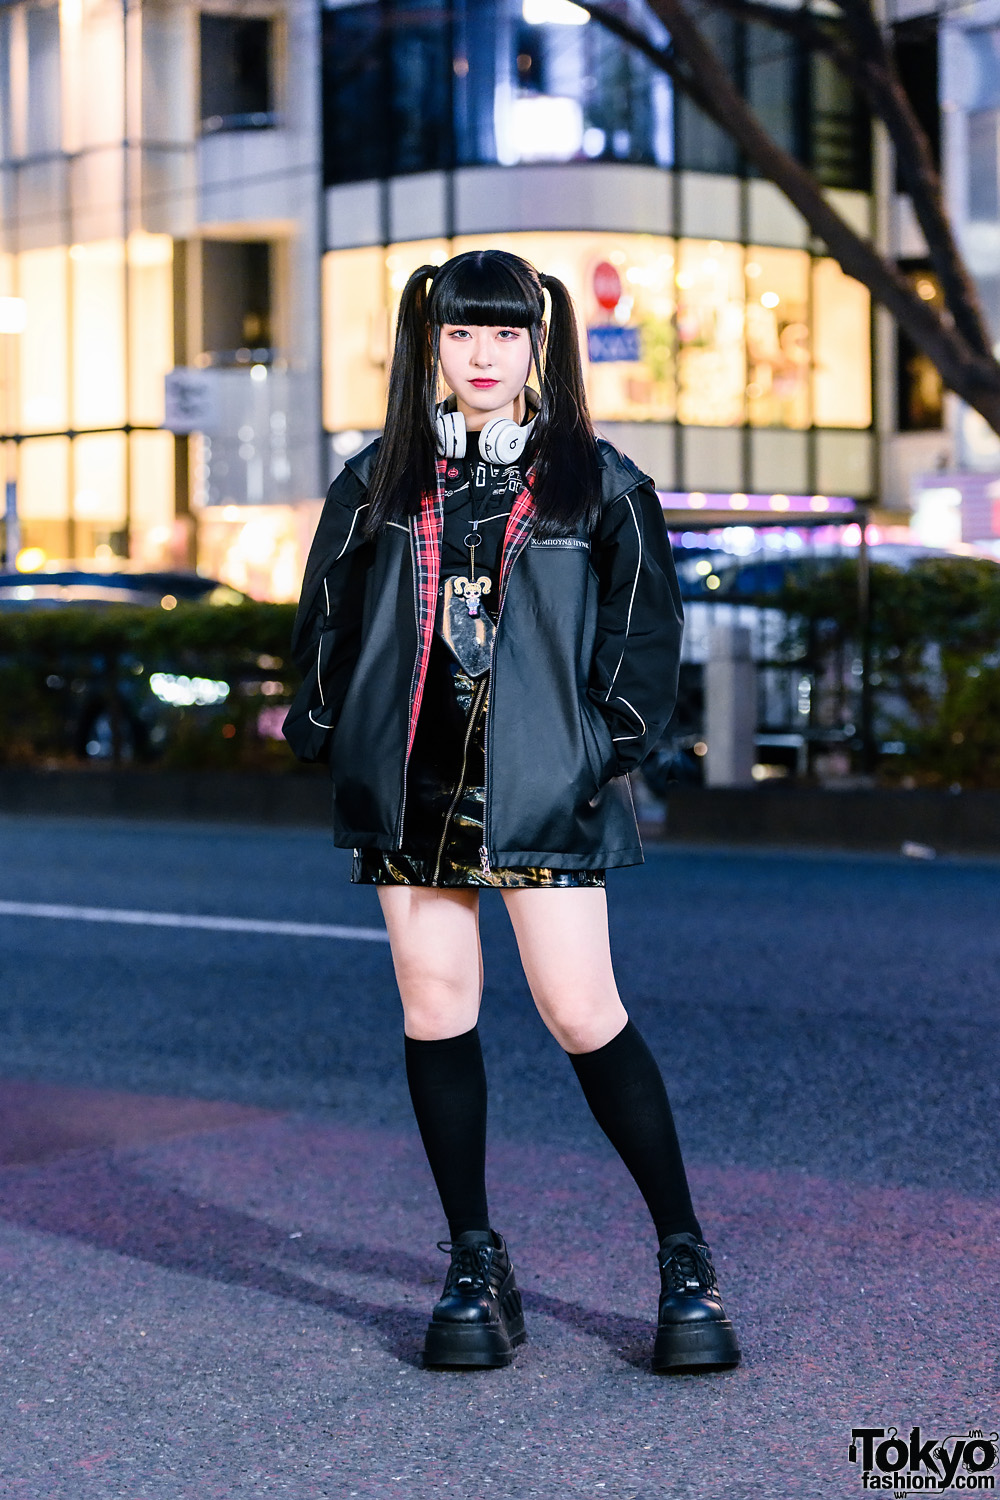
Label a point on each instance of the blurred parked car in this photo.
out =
(75, 586)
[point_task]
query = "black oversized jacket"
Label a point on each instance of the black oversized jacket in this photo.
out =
(583, 677)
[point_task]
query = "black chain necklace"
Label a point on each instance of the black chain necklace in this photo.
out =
(472, 589)
(466, 627)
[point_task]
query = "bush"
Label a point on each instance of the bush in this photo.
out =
(66, 674)
(934, 633)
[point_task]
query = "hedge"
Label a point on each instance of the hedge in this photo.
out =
(64, 672)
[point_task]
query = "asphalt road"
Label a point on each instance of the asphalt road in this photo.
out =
(217, 1228)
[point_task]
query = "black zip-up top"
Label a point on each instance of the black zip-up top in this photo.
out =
(582, 684)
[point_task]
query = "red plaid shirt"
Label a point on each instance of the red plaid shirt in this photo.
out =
(427, 527)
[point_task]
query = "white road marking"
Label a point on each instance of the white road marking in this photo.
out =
(182, 919)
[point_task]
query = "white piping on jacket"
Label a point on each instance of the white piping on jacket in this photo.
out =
(638, 715)
(354, 518)
(635, 585)
(326, 593)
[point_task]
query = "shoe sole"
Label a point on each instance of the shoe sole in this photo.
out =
(478, 1345)
(472, 1347)
(696, 1348)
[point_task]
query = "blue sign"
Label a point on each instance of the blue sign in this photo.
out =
(610, 342)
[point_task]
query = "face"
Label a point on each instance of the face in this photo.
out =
(487, 369)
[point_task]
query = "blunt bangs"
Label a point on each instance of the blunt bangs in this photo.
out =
(485, 287)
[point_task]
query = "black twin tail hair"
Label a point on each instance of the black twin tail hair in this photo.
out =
(563, 451)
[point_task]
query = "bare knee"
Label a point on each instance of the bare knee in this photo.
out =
(582, 1024)
(434, 937)
(436, 1005)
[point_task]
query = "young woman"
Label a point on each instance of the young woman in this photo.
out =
(489, 632)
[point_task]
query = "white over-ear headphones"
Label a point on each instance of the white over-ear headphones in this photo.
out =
(500, 441)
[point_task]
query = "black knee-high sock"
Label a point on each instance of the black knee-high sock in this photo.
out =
(448, 1088)
(624, 1088)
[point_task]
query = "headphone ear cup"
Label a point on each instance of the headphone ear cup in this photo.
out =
(503, 441)
(449, 429)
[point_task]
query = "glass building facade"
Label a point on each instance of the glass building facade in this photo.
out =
(158, 208)
(733, 355)
(411, 89)
(82, 390)
(178, 190)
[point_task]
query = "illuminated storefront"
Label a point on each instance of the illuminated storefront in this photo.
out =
(711, 334)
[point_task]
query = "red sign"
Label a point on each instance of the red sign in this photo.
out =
(607, 285)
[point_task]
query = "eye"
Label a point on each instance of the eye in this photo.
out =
(510, 333)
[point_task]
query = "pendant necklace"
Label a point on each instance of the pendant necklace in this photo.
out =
(467, 628)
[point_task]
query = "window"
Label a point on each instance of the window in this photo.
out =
(237, 299)
(150, 323)
(408, 88)
(916, 55)
(711, 354)
(839, 129)
(42, 279)
(701, 145)
(97, 273)
(919, 388)
(984, 165)
(237, 91)
(777, 336)
(775, 84)
(842, 388)
(43, 124)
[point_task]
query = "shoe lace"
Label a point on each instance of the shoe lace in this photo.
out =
(470, 1266)
(688, 1268)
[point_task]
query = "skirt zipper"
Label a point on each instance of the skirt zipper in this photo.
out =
(477, 700)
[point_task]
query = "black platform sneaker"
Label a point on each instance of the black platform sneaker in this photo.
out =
(693, 1330)
(478, 1320)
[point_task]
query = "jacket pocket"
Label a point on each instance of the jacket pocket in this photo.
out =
(307, 726)
(599, 745)
(309, 723)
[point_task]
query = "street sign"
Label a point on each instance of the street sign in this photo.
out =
(607, 285)
(610, 342)
(190, 401)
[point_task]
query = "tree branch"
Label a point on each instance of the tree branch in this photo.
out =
(695, 66)
(870, 67)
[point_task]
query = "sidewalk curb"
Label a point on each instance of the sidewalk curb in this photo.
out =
(941, 822)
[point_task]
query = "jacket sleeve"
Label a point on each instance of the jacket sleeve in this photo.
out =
(640, 620)
(326, 634)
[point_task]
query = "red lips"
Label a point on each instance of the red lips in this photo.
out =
(483, 385)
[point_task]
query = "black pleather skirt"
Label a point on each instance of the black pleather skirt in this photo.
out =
(443, 820)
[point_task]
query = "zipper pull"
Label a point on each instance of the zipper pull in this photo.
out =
(484, 859)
